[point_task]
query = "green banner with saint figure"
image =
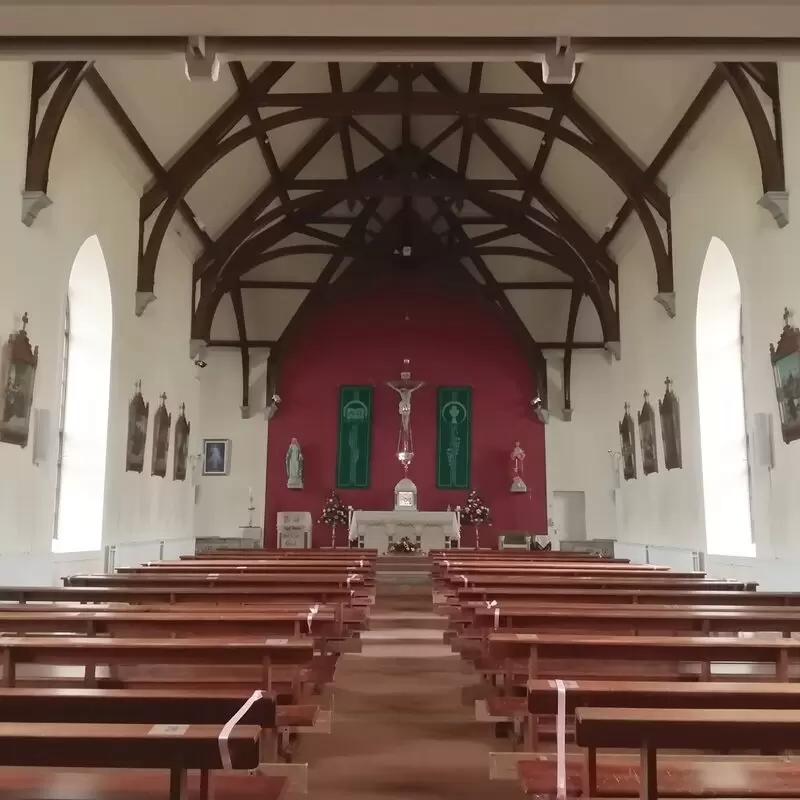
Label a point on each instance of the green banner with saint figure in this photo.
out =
(355, 436)
(453, 437)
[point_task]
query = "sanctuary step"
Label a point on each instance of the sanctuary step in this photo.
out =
(403, 563)
(392, 619)
(403, 583)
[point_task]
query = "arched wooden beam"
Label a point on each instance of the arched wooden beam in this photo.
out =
(592, 129)
(42, 137)
(527, 342)
(568, 225)
(568, 261)
(572, 321)
(532, 225)
(150, 255)
(542, 229)
(241, 328)
(768, 146)
(261, 234)
(555, 237)
(291, 251)
(516, 251)
(312, 299)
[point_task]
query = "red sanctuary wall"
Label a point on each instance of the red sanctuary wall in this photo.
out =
(452, 338)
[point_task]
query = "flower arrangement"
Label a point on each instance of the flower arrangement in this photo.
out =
(405, 545)
(476, 513)
(334, 513)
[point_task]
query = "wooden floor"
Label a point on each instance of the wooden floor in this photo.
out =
(400, 729)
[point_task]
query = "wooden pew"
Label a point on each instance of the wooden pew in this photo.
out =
(250, 581)
(649, 730)
(169, 747)
(149, 595)
(279, 567)
(542, 701)
(175, 706)
(342, 554)
(324, 627)
(647, 583)
(36, 784)
(700, 620)
(468, 553)
(534, 655)
(88, 653)
(646, 596)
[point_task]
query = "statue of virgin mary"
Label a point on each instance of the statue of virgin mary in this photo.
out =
(294, 466)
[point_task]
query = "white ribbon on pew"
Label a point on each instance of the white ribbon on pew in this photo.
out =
(464, 578)
(361, 563)
(496, 608)
(350, 579)
(561, 739)
(312, 612)
(224, 750)
(446, 564)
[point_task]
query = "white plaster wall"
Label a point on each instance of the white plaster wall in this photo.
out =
(714, 183)
(222, 500)
(93, 193)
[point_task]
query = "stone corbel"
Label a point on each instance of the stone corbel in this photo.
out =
(245, 412)
(143, 299)
(667, 301)
(614, 349)
(197, 349)
(777, 203)
(566, 414)
(32, 204)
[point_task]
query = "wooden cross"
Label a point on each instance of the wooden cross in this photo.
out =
(787, 316)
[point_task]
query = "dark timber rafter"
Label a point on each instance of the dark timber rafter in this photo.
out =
(268, 154)
(317, 292)
(42, 134)
(296, 213)
(529, 347)
(769, 145)
(572, 321)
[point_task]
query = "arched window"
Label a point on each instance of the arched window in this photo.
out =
(85, 384)
(723, 436)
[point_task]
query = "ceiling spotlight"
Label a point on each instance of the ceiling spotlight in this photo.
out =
(201, 64)
(558, 66)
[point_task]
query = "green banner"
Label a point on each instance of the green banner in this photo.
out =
(453, 437)
(355, 435)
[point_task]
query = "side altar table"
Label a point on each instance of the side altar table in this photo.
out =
(430, 529)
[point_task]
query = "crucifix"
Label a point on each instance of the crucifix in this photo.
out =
(405, 387)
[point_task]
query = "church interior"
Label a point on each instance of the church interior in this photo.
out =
(399, 400)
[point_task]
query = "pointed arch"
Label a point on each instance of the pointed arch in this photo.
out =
(86, 383)
(720, 384)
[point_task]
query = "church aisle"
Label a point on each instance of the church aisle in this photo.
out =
(399, 728)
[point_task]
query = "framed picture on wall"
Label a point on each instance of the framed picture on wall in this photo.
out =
(216, 456)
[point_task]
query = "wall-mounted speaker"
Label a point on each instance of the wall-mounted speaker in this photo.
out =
(764, 440)
(40, 435)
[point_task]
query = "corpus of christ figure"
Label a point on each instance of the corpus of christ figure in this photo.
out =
(405, 387)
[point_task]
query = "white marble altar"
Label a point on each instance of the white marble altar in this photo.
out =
(378, 529)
